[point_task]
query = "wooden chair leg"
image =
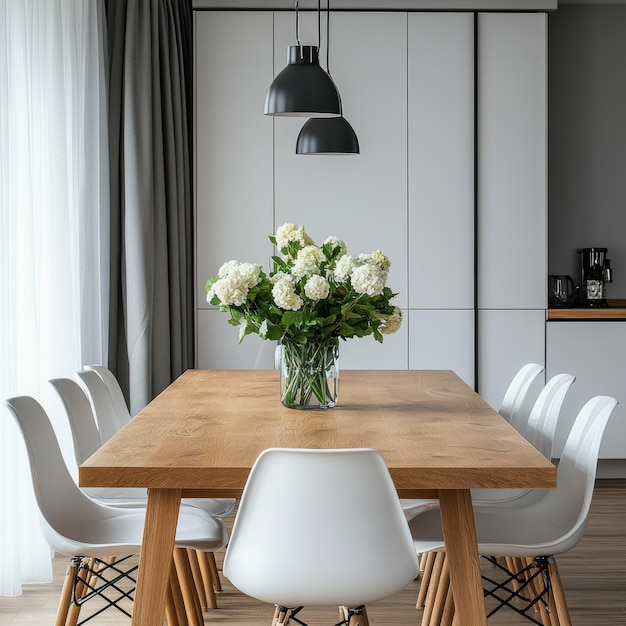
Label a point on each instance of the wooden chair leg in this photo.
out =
(217, 583)
(359, 619)
(562, 611)
(428, 560)
(66, 592)
(537, 587)
(188, 587)
(441, 593)
(433, 585)
(74, 610)
(208, 578)
(447, 616)
(198, 579)
(178, 603)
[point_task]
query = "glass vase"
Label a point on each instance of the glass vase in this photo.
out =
(309, 374)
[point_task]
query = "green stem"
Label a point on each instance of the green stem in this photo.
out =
(305, 372)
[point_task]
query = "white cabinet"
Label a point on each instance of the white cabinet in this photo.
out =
(512, 142)
(511, 210)
(594, 352)
(507, 340)
(441, 161)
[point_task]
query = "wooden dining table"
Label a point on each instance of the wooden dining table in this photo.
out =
(201, 435)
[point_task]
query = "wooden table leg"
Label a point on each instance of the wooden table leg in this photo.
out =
(156, 555)
(459, 533)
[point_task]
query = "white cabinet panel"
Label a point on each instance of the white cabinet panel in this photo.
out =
(512, 161)
(367, 354)
(218, 347)
(441, 160)
(443, 340)
(594, 352)
(233, 141)
(359, 198)
(506, 341)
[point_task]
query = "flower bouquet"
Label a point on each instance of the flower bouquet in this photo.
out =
(313, 296)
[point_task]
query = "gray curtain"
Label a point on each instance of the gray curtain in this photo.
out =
(150, 87)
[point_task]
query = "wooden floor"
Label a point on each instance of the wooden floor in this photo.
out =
(593, 574)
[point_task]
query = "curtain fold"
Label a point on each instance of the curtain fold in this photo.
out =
(54, 192)
(151, 306)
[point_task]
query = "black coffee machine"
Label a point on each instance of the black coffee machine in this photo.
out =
(595, 273)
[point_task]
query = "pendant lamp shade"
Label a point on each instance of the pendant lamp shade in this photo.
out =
(332, 135)
(303, 88)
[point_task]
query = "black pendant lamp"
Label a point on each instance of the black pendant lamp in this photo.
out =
(331, 135)
(303, 88)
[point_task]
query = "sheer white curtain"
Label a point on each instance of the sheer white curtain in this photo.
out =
(54, 203)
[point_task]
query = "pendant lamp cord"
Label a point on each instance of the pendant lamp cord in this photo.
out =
(328, 36)
(298, 27)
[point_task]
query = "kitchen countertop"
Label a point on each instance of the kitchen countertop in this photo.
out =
(616, 310)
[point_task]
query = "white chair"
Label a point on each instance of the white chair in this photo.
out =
(320, 527)
(84, 409)
(516, 394)
(114, 389)
(87, 440)
(535, 530)
(92, 533)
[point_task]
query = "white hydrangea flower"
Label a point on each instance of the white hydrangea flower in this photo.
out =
(247, 273)
(369, 279)
(227, 268)
(285, 295)
(316, 288)
(230, 292)
(344, 268)
(381, 259)
(337, 243)
(279, 276)
(291, 232)
(392, 323)
(311, 253)
(303, 268)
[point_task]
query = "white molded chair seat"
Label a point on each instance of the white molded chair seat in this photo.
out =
(74, 524)
(530, 527)
(320, 527)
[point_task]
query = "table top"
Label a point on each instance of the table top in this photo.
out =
(203, 433)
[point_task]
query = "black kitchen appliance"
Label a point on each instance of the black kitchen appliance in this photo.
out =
(595, 273)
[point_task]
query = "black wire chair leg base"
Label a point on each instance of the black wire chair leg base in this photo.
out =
(98, 578)
(527, 591)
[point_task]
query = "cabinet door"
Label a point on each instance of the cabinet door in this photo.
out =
(594, 352)
(218, 347)
(441, 160)
(233, 140)
(506, 341)
(360, 198)
(512, 161)
(442, 340)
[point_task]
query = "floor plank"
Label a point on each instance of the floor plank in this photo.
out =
(593, 574)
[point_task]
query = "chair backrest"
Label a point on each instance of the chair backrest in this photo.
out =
(516, 393)
(320, 527)
(109, 420)
(62, 506)
(114, 389)
(568, 505)
(544, 416)
(80, 416)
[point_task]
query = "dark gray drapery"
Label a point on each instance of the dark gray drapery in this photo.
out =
(150, 87)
